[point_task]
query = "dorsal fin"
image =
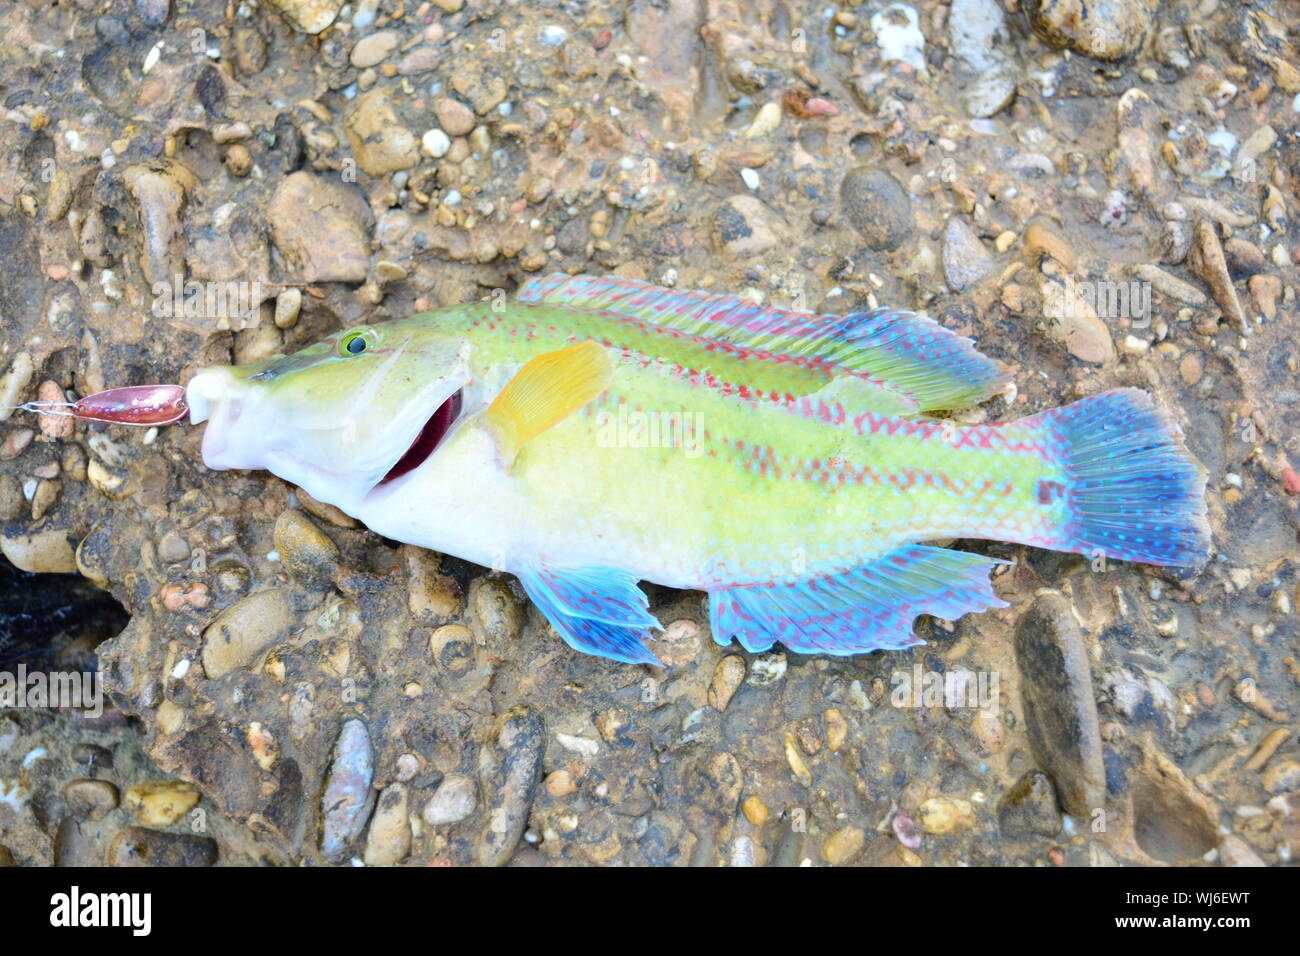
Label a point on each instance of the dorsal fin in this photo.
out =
(931, 366)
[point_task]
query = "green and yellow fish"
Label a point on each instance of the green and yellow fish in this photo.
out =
(599, 431)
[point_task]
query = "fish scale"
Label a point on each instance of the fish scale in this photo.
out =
(604, 431)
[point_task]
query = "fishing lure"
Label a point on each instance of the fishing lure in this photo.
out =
(597, 432)
(144, 405)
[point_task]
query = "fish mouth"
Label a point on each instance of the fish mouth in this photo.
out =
(428, 439)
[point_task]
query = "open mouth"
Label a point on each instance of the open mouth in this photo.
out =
(427, 442)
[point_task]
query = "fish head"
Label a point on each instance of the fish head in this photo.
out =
(340, 417)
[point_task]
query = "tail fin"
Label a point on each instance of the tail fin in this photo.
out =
(1133, 493)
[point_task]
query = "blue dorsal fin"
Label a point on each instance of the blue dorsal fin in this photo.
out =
(911, 353)
(867, 609)
(598, 611)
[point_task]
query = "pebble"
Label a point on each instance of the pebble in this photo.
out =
(160, 803)
(1191, 367)
(380, 143)
(1234, 851)
(743, 226)
(53, 426)
(322, 228)
(244, 630)
(498, 615)
(767, 669)
(510, 766)
(15, 383)
(755, 811)
(843, 845)
(765, 121)
(1076, 325)
(288, 305)
(435, 143)
(940, 815)
(347, 798)
(308, 554)
(965, 260)
(389, 839)
(1206, 260)
(1060, 710)
(1139, 136)
(560, 784)
(1103, 29)
(140, 846)
(431, 595)
(728, 675)
(47, 551)
(898, 35)
(91, 798)
(309, 16)
(878, 207)
(837, 728)
(453, 801)
(374, 49)
(1029, 808)
(797, 765)
(1281, 777)
(455, 118)
(160, 188)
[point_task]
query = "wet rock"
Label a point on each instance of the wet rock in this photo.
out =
(1140, 136)
(1263, 39)
(510, 765)
(666, 32)
(91, 798)
(1029, 808)
(1282, 776)
(877, 207)
(46, 551)
(53, 426)
(374, 49)
(159, 188)
(154, 12)
(160, 803)
(454, 117)
(977, 32)
(453, 801)
(1172, 821)
(1060, 710)
(1103, 29)
(250, 49)
(1074, 323)
(309, 16)
(728, 675)
(1207, 260)
(940, 815)
(322, 228)
(431, 595)
(138, 846)
(389, 839)
(965, 260)
(347, 798)
(1234, 851)
(498, 615)
(307, 553)
(15, 383)
(743, 226)
(244, 630)
(843, 845)
(898, 35)
(11, 498)
(380, 143)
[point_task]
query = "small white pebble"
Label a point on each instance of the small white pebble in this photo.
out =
(181, 669)
(151, 58)
(750, 177)
(436, 143)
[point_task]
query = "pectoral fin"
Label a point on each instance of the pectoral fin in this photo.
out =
(598, 611)
(548, 389)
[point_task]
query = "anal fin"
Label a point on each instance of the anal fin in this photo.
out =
(866, 609)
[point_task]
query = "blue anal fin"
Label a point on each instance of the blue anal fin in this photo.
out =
(599, 611)
(869, 608)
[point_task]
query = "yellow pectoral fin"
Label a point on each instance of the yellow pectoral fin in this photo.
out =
(544, 392)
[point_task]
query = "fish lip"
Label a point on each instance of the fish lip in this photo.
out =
(428, 439)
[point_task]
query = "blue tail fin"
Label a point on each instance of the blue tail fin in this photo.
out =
(1133, 493)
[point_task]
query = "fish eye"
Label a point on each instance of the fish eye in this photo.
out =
(354, 343)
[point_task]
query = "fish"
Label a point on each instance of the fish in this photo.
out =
(597, 432)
